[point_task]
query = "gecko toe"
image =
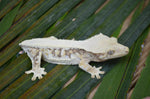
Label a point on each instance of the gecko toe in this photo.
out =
(40, 77)
(44, 73)
(33, 78)
(102, 72)
(92, 76)
(42, 69)
(28, 72)
(98, 76)
(100, 67)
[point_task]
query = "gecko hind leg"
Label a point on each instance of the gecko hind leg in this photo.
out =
(35, 56)
(84, 64)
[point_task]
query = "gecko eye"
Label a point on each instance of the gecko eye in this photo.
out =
(111, 52)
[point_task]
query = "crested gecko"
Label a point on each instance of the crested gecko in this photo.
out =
(70, 52)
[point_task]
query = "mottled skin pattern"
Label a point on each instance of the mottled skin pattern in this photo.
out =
(70, 52)
(73, 56)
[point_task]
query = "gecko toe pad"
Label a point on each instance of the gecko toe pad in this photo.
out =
(37, 73)
(95, 72)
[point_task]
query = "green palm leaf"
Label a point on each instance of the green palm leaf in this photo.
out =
(142, 89)
(8, 20)
(69, 19)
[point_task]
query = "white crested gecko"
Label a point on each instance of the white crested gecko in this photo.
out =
(70, 52)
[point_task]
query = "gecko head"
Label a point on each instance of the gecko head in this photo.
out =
(114, 50)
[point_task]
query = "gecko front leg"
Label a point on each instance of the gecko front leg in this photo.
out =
(84, 64)
(35, 56)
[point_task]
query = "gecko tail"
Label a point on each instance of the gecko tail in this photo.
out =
(20, 53)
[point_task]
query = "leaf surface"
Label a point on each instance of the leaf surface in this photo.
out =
(67, 19)
(7, 21)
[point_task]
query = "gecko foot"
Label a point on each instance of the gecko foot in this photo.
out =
(37, 73)
(96, 71)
